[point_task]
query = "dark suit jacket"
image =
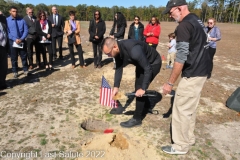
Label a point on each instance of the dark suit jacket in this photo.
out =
(31, 26)
(4, 24)
(41, 33)
(58, 29)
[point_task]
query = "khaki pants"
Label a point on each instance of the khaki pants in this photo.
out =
(171, 57)
(184, 112)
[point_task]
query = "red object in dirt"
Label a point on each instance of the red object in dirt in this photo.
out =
(163, 58)
(108, 131)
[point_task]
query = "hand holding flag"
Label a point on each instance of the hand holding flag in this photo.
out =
(106, 95)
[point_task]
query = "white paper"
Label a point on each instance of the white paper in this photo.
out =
(20, 45)
(45, 41)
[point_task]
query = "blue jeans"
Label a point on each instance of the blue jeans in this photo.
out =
(14, 56)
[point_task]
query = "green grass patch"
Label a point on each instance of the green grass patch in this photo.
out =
(11, 140)
(67, 117)
(62, 148)
(56, 140)
(43, 141)
(24, 139)
(42, 135)
(66, 110)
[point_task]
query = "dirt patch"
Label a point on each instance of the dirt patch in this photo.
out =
(119, 141)
(226, 138)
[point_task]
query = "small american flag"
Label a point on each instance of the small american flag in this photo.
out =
(106, 95)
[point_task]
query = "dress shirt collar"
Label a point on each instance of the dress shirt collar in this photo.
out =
(14, 18)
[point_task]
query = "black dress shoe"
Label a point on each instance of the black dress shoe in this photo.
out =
(47, 69)
(5, 87)
(51, 68)
(61, 57)
(131, 123)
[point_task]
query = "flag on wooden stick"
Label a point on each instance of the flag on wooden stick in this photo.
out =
(106, 95)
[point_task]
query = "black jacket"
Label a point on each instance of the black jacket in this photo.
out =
(58, 29)
(31, 26)
(41, 33)
(131, 32)
(96, 29)
(139, 54)
(198, 60)
(120, 31)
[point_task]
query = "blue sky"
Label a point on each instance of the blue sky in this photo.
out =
(101, 3)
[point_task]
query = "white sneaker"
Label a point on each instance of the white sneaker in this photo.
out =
(171, 150)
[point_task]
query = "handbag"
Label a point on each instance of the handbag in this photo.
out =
(71, 39)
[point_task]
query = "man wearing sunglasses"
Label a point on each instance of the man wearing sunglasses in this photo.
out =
(148, 63)
(193, 61)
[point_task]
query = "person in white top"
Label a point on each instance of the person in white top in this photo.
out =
(171, 50)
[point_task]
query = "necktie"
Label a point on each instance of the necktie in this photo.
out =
(55, 19)
(18, 33)
(3, 37)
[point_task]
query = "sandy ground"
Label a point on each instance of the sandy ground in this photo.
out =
(42, 113)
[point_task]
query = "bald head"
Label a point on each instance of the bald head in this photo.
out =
(110, 47)
(108, 42)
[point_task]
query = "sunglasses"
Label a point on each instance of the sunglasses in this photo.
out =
(96, 14)
(30, 12)
(210, 22)
(136, 19)
(42, 15)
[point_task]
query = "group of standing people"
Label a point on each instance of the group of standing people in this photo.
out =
(195, 47)
(43, 33)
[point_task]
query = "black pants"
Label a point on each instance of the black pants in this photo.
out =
(80, 53)
(59, 39)
(212, 52)
(3, 66)
(30, 43)
(143, 102)
(153, 45)
(43, 47)
(97, 53)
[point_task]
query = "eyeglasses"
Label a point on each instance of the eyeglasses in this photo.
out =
(42, 15)
(172, 11)
(136, 19)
